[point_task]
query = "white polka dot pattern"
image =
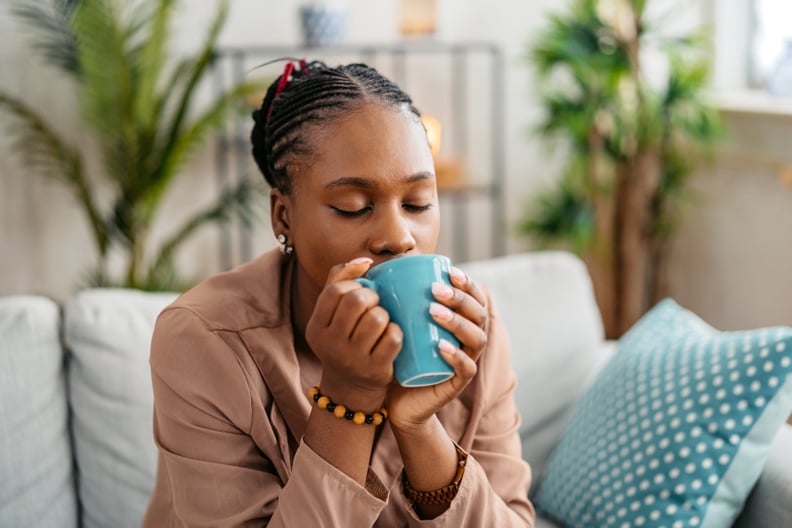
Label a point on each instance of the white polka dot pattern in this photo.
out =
(654, 435)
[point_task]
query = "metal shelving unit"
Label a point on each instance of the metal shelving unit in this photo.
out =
(465, 78)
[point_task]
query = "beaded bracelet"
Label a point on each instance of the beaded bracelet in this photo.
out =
(340, 411)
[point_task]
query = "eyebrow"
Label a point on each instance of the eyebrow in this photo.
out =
(367, 184)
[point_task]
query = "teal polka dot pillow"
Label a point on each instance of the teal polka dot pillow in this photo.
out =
(675, 429)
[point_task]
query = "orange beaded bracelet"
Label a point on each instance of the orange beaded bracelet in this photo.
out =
(340, 411)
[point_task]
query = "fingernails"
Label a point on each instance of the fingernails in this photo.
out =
(359, 260)
(457, 274)
(447, 348)
(442, 291)
(440, 312)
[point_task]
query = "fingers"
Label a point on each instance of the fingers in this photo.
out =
(462, 281)
(350, 270)
(339, 282)
(472, 336)
(388, 345)
(463, 311)
(370, 327)
(464, 366)
(461, 302)
(353, 311)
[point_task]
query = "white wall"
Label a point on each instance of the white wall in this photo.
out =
(732, 259)
(729, 262)
(45, 245)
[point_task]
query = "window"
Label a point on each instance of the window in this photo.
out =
(772, 33)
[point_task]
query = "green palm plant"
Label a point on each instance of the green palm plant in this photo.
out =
(140, 111)
(633, 145)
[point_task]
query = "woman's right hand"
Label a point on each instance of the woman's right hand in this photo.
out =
(353, 337)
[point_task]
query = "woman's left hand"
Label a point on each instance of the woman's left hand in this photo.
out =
(461, 310)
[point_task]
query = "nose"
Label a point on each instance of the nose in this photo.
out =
(391, 233)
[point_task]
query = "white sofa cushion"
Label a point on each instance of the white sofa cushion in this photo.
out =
(108, 334)
(546, 301)
(36, 476)
(768, 504)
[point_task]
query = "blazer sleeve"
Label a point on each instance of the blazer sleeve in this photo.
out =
(211, 472)
(494, 488)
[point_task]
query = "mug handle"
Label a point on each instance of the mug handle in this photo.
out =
(366, 283)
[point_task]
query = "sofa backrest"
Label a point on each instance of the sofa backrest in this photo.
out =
(107, 333)
(36, 477)
(546, 301)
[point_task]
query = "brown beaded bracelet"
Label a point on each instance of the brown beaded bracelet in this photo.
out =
(443, 495)
(340, 411)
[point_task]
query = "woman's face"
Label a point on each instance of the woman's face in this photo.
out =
(369, 191)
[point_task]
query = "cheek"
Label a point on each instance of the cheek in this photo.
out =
(425, 230)
(330, 240)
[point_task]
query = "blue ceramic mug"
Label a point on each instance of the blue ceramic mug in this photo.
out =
(404, 286)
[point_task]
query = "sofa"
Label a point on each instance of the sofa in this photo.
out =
(76, 444)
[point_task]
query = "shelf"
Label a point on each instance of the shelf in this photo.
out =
(402, 47)
(469, 76)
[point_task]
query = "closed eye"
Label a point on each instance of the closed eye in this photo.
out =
(417, 208)
(350, 214)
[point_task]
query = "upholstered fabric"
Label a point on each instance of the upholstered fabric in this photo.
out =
(545, 301)
(36, 487)
(768, 504)
(541, 522)
(108, 334)
(547, 304)
(676, 428)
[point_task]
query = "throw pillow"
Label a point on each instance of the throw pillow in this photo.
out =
(675, 429)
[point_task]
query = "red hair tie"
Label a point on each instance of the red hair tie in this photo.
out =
(287, 71)
(284, 80)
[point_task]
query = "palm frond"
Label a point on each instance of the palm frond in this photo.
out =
(151, 61)
(184, 94)
(52, 31)
(139, 109)
(236, 203)
(193, 136)
(43, 151)
(108, 88)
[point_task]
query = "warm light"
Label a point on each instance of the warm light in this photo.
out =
(417, 17)
(448, 170)
(433, 132)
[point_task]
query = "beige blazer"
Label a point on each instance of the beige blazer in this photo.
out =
(230, 410)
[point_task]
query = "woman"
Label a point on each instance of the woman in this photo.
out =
(240, 442)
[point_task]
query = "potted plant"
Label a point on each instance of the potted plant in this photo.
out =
(139, 108)
(633, 145)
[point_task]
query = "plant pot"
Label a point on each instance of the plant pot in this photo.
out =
(322, 25)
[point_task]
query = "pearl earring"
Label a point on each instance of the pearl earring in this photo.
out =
(284, 247)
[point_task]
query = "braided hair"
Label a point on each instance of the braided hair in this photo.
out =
(312, 94)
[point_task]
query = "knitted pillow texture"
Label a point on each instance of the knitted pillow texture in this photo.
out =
(675, 429)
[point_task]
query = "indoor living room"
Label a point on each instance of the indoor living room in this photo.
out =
(614, 172)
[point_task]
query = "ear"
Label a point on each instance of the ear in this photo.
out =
(280, 212)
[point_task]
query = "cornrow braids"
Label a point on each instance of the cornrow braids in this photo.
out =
(312, 94)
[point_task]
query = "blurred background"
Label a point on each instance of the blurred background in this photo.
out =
(547, 114)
